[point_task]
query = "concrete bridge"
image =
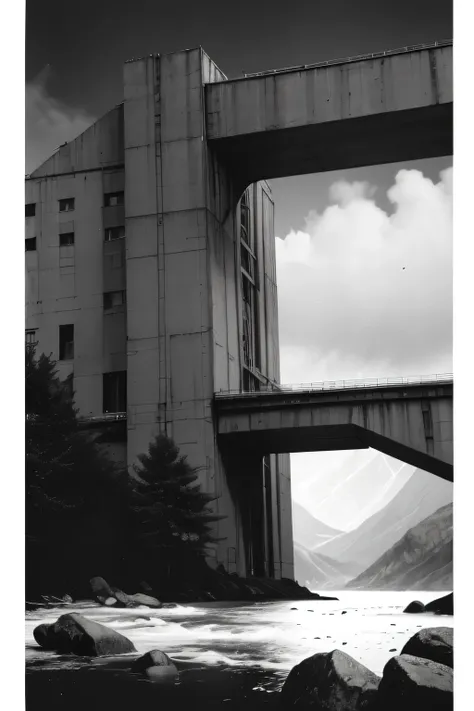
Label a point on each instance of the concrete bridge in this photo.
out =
(196, 256)
(405, 418)
(379, 108)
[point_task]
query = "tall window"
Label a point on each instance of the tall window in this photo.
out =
(114, 391)
(112, 199)
(66, 342)
(66, 205)
(30, 244)
(248, 269)
(30, 209)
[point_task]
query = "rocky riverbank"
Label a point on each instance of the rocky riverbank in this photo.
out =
(219, 587)
(421, 676)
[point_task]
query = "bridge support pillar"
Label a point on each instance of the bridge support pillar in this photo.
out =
(185, 296)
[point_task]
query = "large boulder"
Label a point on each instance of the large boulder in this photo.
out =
(43, 636)
(415, 606)
(412, 683)
(101, 590)
(75, 634)
(156, 666)
(435, 643)
(442, 605)
(330, 681)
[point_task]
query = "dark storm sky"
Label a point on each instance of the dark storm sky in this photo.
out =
(86, 42)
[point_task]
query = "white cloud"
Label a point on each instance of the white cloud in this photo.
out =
(365, 293)
(49, 122)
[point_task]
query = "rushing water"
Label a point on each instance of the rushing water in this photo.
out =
(228, 654)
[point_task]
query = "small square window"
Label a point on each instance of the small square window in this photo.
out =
(66, 205)
(66, 342)
(66, 239)
(112, 233)
(30, 209)
(30, 244)
(113, 298)
(113, 199)
(30, 336)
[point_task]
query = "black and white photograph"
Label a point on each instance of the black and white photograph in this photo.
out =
(237, 310)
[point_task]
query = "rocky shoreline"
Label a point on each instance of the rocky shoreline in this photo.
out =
(419, 676)
(220, 587)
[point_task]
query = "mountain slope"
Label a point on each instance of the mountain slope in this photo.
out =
(421, 496)
(420, 560)
(308, 531)
(319, 572)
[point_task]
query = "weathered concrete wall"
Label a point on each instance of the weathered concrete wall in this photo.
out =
(100, 146)
(183, 286)
(65, 285)
(411, 423)
(360, 113)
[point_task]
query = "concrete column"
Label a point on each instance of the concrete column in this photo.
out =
(183, 286)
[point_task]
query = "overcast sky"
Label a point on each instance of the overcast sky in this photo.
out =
(363, 256)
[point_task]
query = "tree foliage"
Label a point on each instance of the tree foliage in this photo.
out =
(173, 517)
(86, 516)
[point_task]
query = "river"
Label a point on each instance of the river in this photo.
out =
(229, 655)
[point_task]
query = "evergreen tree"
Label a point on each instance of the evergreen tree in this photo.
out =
(173, 517)
(74, 494)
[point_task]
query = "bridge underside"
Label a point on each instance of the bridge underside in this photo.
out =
(413, 423)
(370, 140)
(332, 438)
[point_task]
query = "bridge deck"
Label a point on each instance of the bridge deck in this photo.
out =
(412, 421)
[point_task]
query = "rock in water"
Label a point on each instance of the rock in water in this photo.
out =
(435, 643)
(74, 633)
(43, 637)
(142, 599)
(101, 589)
(122, 598)
(412, 684)
(415, 606)
(330, 681)
(442, 605)
(157, 666)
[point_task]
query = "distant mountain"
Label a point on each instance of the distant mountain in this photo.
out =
(308, 531)
(421, 560)
(318, 572)
(421, 496)
(346, 493)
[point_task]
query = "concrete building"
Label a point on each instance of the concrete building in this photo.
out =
(149, 317)
(150, 251)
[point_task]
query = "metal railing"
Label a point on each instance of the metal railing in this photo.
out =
(355, 58)
(328, 385)
(106, 417)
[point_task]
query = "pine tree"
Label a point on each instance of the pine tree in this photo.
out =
(70, 487)
(173, 517)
